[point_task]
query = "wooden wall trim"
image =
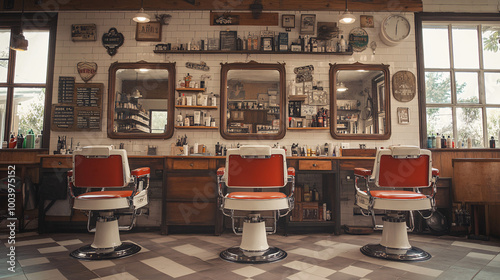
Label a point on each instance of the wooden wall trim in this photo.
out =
(228, 5)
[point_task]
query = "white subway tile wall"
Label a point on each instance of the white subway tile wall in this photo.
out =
(187, 25)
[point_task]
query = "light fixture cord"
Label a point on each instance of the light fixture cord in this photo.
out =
(22, 14)
(142, 4)
(345, 5)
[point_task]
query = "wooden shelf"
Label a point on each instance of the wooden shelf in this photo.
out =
(250, 52)
(308, 128)
(301, 97)
(190, 89)
(197, 127)
(196, 107)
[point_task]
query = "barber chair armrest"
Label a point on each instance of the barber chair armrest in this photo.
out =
(291, 180)
(220, 181)
(435, 172)
(70, 183)
(291, 171)
(362, 172)
(140, 172)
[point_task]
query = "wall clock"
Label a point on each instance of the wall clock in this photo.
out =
(394, 29)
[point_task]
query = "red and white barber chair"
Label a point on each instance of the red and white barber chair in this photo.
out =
(257, 170)
(111, 190)
(401, 171)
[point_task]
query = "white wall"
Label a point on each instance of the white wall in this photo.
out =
(186, 25)
(462, 6)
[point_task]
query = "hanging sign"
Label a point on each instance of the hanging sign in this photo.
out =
(197, 66)
(86, 70)
(112, 41)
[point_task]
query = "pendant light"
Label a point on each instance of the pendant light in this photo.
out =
(347, 17)
(19, 43)
(341, 87)
(141, 16)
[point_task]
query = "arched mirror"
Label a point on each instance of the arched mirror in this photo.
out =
(252, 101)
(141, 100)
(360, 101)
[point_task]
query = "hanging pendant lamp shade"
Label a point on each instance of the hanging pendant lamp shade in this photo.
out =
(347, 17)
(141, 16)
(18, 42)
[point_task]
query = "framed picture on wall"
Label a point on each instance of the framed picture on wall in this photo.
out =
(307, 24)
(403, 115)
(150, 31)
(288, 21)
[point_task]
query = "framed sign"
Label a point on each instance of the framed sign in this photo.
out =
(404, 86)
(83, 32)
(307, 24)
(150, 31)
(288, 22)
(228, 40)
(366, 21)
(403, 115)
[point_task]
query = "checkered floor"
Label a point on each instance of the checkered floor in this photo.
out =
(311, 257)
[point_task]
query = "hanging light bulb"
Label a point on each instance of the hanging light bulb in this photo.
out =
(347, 17)
(19, 43)
(141, 16)
(341, 87)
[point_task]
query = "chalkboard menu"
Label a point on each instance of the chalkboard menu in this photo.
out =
(228, 40)
(66, 89)
(84, 112)
(63, 117)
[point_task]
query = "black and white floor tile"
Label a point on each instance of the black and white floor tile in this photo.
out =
(196, 256)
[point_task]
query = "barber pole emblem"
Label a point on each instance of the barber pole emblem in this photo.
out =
(86, 70)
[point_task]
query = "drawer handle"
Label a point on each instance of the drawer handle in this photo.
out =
(314, 165)
(191, 164)
(59, 162)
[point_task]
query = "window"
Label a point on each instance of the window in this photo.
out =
(25, 77)
(459, 77)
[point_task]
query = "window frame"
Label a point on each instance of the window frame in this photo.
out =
(32, 21)
(448, 19)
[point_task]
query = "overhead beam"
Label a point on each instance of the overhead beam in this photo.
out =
(229, 5)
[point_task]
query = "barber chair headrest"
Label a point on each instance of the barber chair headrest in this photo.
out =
(255, 150)
(405, 151)
(103, 151)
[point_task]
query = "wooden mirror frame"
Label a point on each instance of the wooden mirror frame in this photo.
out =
(334, 68)
(225, 67)
(170, 97)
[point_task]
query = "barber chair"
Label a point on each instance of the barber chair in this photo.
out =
(257, 170)
(110, 190)
(398, 175)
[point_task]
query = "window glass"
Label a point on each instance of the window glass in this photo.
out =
(466, 86)
(493, 116)
(491, 46)
(439, 120)
(465, 47)
(28, 110)
(470, 125)
(3, 109)
(492, 87)
(437, 87)
(158, 121)
(31, 65)
(436, 47)
(4, 54)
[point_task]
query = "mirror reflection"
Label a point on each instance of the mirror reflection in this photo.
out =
(140, 100)
(360, 101)
(253, 98)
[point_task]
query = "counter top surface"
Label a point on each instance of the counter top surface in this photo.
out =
(223, 157)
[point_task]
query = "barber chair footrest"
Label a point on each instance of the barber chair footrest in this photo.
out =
(236, 254)
(382, 252)
(90, 253)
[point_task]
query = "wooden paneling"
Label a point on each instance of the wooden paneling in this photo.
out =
(349, 165)
(442, 158)
(266, 19)
(194, 188)
(476, 180)
(228, 5)
(187, 213)
(359, 152)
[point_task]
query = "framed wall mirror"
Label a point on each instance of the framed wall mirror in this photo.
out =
(141, 100)
(360, 101)
(252, 101)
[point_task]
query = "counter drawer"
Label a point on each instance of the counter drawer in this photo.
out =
(190, 164)
(191, 187)
(62, 162)
(315, 165)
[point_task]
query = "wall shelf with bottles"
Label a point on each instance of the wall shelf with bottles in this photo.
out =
(196, 107)
(197, 127)
(308, 128)
(190, 89)
(249, 52)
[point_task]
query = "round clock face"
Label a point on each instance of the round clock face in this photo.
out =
(396, 28)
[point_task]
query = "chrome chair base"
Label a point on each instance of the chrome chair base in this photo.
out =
(235, 254)
(90, 253)
(382, 252)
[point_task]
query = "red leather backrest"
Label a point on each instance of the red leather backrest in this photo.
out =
(404, 172)
(98, 172)
(255, 172)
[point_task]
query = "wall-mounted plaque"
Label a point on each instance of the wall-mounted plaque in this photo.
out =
(83, 32)
(228, 40)
(63, 117)
(150, 31)
(112, 41)
(87, 70)
(403, 86)
(66, 89)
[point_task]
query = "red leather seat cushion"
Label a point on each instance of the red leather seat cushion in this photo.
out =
(256, 195)
(397, 195)
(105, 195)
